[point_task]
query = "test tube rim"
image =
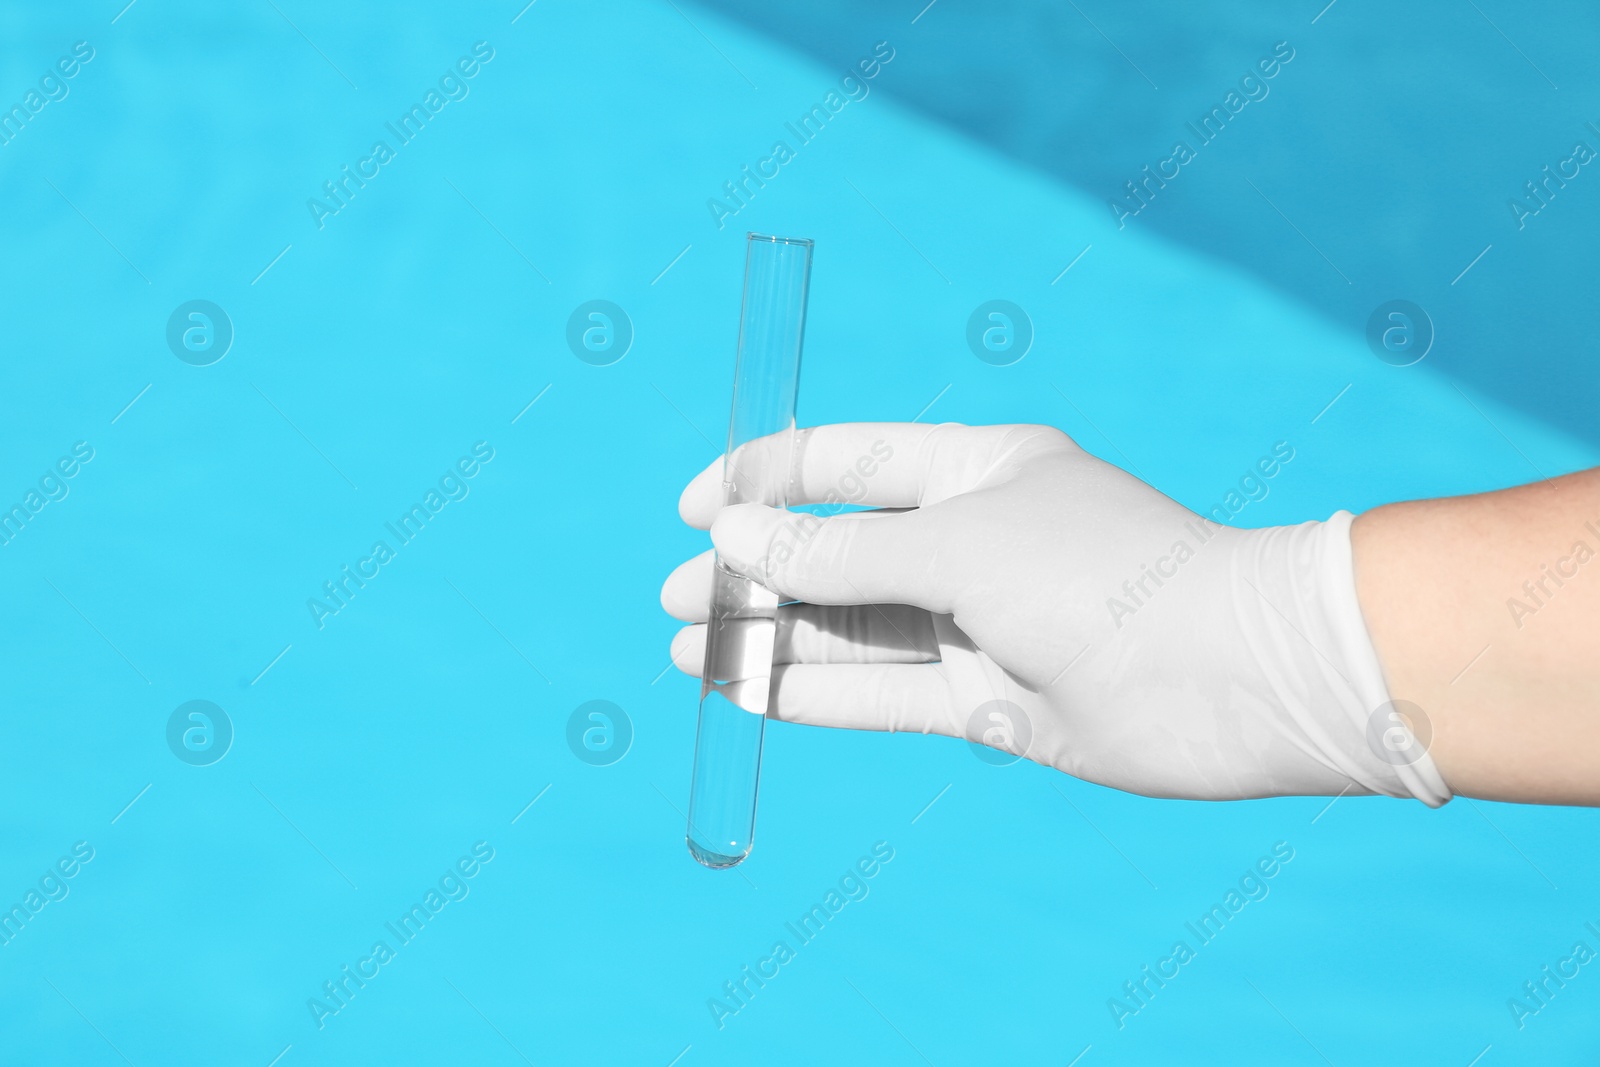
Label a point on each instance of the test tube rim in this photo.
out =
(804, 242)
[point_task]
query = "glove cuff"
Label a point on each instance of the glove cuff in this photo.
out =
(1295, 598)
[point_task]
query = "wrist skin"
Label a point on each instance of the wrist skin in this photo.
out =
(1473, 622)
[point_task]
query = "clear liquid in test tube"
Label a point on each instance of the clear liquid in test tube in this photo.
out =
(736, 684)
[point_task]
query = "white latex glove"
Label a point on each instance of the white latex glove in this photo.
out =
(1237, 665)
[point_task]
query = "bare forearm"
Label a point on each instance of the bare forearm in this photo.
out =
(1485, 612)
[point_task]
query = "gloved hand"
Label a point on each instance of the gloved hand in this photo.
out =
(1037, 599)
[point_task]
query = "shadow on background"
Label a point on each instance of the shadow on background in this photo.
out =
(1378, 163)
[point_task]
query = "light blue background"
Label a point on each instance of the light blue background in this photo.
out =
(426, 715)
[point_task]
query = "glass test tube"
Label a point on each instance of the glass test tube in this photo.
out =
(736, 682)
